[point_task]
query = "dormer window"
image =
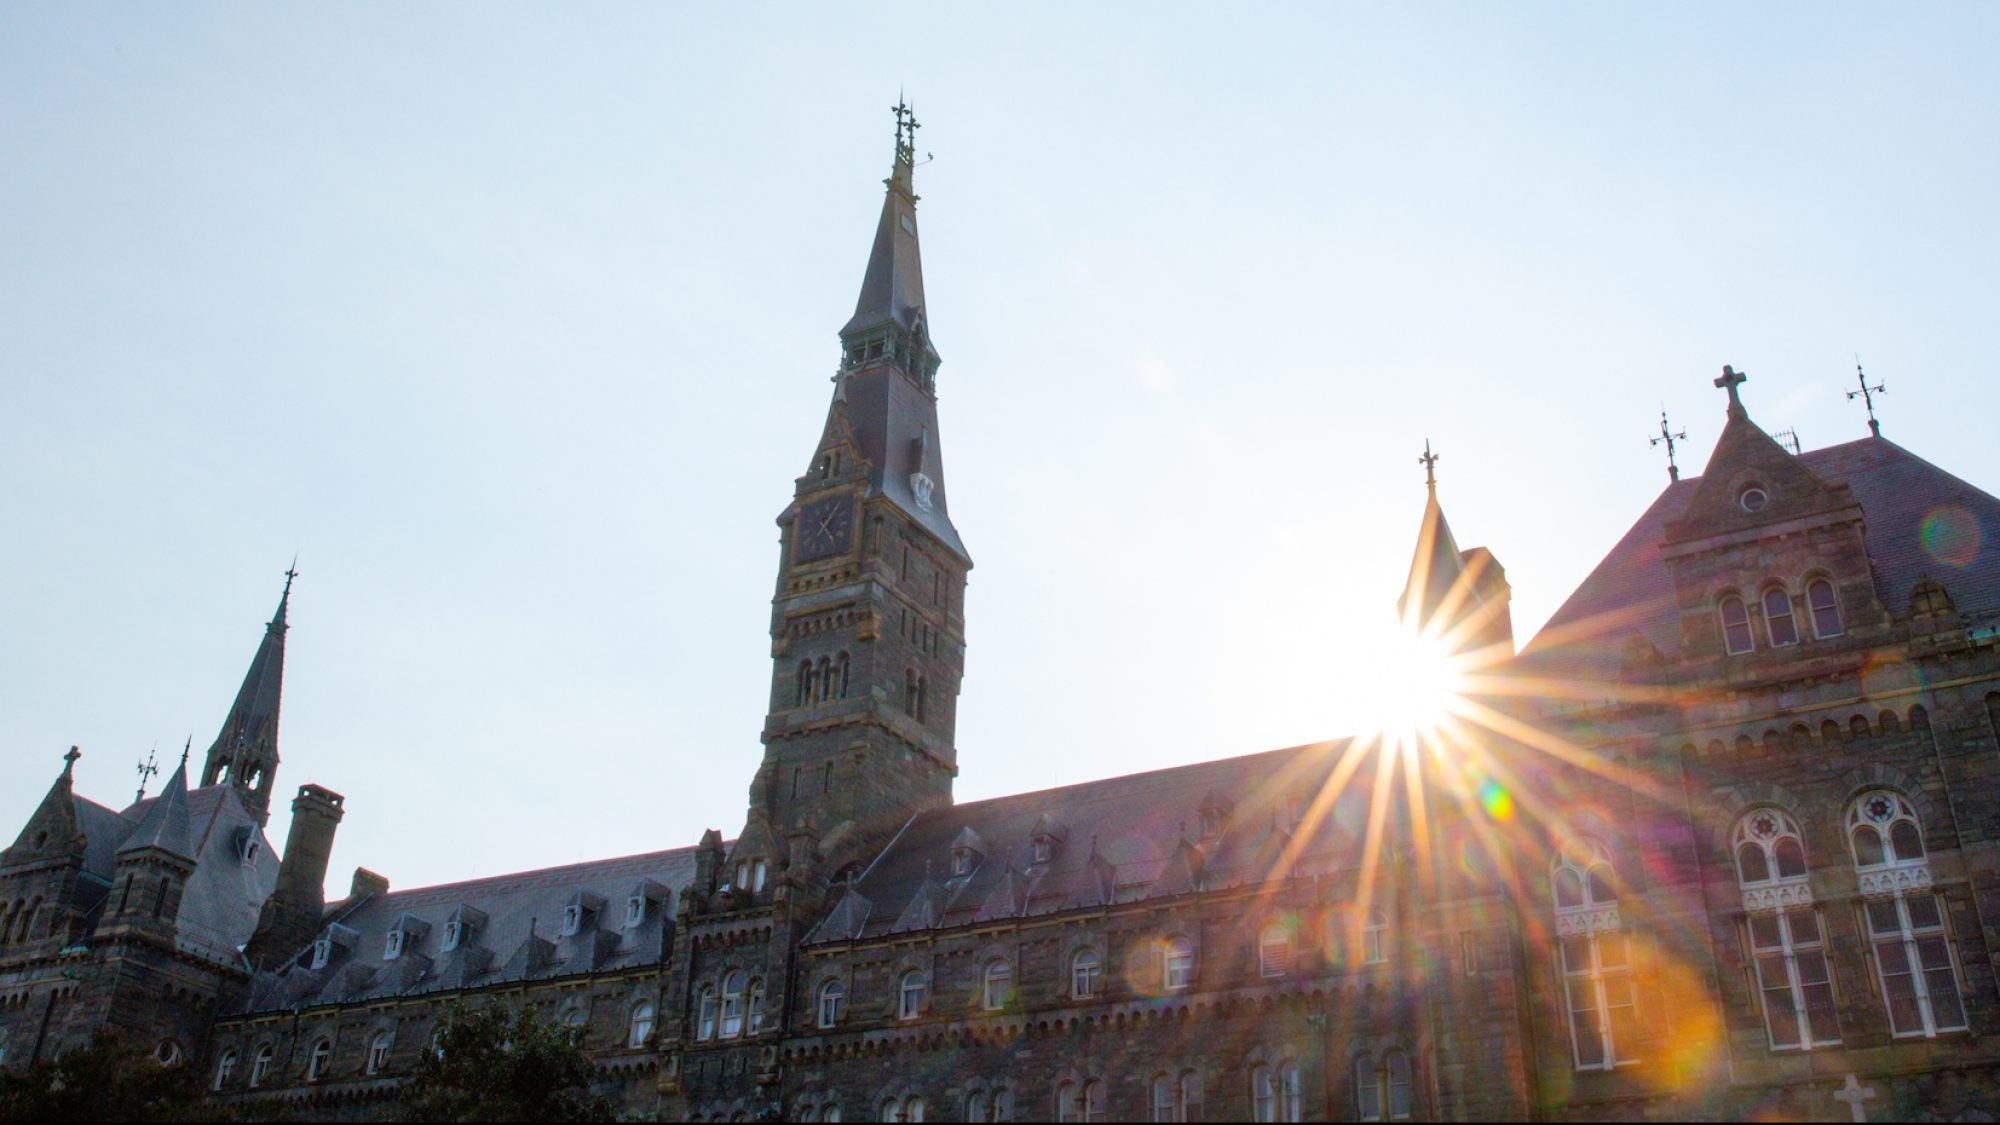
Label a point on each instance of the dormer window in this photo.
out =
(451, 932)
(1042, 848)
(962, 861)
(572, 919)
(460, 928)
(322, 950)
(750, 875)
(635, 910)
(1043, 838)
(246, 844)
(967, 849)
(392, 947)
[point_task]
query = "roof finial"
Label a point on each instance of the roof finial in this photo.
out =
(1867, 395)
(291, 572)
(189, 745)
(1729, 380)
(69, 760)
(1668, 437)
(906, 130)
(147, 769)
(1429, 461)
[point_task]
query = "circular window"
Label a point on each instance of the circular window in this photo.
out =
(1753, 498)
(168, 1053)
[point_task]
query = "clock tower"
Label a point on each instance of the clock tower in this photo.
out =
(867, 625)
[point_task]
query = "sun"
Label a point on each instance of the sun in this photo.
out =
(1417, 685)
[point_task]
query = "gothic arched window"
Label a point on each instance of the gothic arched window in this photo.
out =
(225, 1069)
(732, 1005)
(260, 1066)
(1178, 965)
(1274, 950)
(378, 1051)
(910, 995)
(1736, 626)
(998, 985)
(1778, 621)
(1884, 830)
(805, 687)
(1768, 848)
(840, 676)
(832, 1002)
(322, 1053)
(1825, 608)
(704, 1027)
(1595, 958)
(1382, 1086)
(1084, 971)
(640, 1028)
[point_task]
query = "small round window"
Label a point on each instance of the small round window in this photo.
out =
(1753, 498)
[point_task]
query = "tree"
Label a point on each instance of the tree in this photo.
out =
(492, 1065)
(109, 1078)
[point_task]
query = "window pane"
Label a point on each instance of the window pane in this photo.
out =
(1367, 1095)
(1867, 846)
(1778, 617)
(1791, 858)
(1941, 982)
(1899, 988)
(1764, 932)
(1924, 913)
(1826, 614)
(1779, 1015)
(1600, 885)
(1883, 920)
(1569, 888)
(1751, 865)
(1398, 1066)
(1613, 950)
(1907, 842)
(1805, 927)
(1586, 1035)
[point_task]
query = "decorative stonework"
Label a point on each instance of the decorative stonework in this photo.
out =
(1590, 920)
(1780, 896)
(1892, 881)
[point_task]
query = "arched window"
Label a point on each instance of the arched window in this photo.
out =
(641, 1027)
(1291, 1099)
(1084, 971)
(1382, 1087)
(910, 995)
(825, 679)
(832, 1001)
(260, 1066)
(1190, 1092)
(978, 1106)
(1825, 608)
(923, 688)
(1263, 1094)
(1164, 1101)
(1595, 957)
(913, 1110)
(378, 1051)
(1069, 1101)
(1178, 964)
(1778, 618)
(704, 1027)
(732, 1005)
(840, 676)
(805, 688)
(322, 1053)
(1375, 937)
(1003, 1104)
(754, 1007)
(999, 984)
(1093, 1100)
(1884, 830)
(1735, 626)
(225, 1069)
(1768, 848)
(1274, 950)
(1177, 1097)
(909, 691)
(1915, 966)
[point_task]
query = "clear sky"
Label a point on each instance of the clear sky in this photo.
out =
(516, 323)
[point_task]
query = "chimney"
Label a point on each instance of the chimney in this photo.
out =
(367, 883)
(291, 916)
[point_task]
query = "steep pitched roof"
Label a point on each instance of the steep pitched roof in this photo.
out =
(164, 826)
(519, 936)
(1139, 848)
(1920, 520)
(892, 289)
(253, 717)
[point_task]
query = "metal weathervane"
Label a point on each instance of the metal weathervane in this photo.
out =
(1867, 395)
(1668, 436)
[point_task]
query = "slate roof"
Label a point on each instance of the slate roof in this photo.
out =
(1632, 591)
(518, 933)
(1127, 839)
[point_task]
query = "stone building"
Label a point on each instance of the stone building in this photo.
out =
(1718, 842)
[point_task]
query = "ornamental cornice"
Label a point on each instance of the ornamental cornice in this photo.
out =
(1576, 921)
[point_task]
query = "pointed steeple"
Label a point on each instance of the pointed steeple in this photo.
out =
(166, 826)
(53, 829)
(1461, 596)
(1436, 568)
(892, 290)
(245, 751)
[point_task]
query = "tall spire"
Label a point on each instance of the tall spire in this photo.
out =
(245, 751)
(1435, 568)
(892, 289)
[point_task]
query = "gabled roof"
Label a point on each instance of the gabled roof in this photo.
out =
(1920, 520)
(165, 826)
(1138, 846)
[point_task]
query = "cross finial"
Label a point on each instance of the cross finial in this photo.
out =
(906, 130)
(69, 760)
(1429, 461)
(1729, 380)
(147, 770)
(1867, 395)
(1668, 436)
(1854, 1094)
(187, 746)
(291, 572)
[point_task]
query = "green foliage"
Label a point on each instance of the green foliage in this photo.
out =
(493, 1065)
(107, 1079)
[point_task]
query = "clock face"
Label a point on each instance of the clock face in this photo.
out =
(825, 527)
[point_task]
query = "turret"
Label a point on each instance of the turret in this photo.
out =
(291, 916)
(153, 866)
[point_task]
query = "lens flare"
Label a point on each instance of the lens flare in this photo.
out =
(1951, 536)
(1494, 798)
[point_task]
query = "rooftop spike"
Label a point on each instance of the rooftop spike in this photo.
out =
(245, 750)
